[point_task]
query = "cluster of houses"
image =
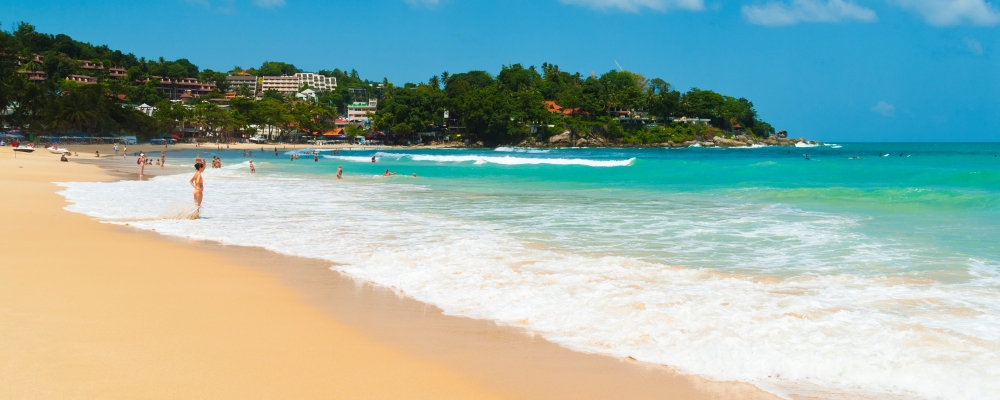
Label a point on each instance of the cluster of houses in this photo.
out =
(304, 86)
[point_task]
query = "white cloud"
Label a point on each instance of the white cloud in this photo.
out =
(269, 3)
(777, 13)
(886, 109)
(953, 12)
(638, 5)
(425, 3)
(974, 46)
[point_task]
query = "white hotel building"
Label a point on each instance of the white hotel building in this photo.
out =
(285, 84)
(316, 81)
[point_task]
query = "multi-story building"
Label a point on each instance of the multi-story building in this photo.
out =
(34, 76)
(358, 110)
(175, 88)
(316, 81)
(83, 79)
(91, 66)
(238, 81)
(117, 72)
(286, 85)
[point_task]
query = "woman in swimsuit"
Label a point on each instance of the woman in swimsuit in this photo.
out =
(198, 183)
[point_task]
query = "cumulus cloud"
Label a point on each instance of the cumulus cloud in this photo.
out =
(638, 5)
(953, 12)
(269, 3)
(778, 13)
(974, 46)
(886, 109)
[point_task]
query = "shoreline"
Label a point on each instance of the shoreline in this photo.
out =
(507, 360)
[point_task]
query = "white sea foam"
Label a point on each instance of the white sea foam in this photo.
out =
(806, 306)
(349, 158)
(804, 144)
(521, 150)
(507, 160)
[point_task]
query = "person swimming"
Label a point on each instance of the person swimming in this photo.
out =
(387, 173)
(373, 158)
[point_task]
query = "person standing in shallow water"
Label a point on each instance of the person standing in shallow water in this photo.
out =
(198, 183)
(340, 172)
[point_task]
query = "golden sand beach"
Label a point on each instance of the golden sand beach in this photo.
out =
(91, 310)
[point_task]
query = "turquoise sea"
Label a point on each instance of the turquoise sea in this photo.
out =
(831, 271)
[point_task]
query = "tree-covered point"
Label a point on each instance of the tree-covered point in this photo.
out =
(618, 106)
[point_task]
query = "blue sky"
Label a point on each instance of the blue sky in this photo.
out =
(833, 70)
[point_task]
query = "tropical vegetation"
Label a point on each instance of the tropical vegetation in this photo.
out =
(518, 104)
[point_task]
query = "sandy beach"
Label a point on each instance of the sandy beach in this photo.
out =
(91, 310)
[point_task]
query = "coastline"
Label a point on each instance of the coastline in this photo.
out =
(491, 359)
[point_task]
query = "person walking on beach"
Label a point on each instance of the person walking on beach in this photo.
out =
(252, 169)
(340, 172)
(198, 183)
(163, 158)
(116, 149)
(142, 164)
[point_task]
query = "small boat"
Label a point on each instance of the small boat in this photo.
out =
(24, 149)
(56, 150)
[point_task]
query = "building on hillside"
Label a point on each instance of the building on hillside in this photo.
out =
(453, 122)
(686, 120)
(34, 76)
(358, 110)
(316, 81)
(35, 58)
(176, 88)
(555, 108)
(82, 79)
(91, 66)
(115, 72)
(308, 94)
(286, 85)
(238, 81)
(146, 109)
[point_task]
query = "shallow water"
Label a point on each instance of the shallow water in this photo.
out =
(878, 275)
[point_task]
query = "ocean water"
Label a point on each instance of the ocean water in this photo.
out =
(821, 274)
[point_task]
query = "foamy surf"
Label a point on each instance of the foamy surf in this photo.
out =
(521, 150)
(507, 160)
